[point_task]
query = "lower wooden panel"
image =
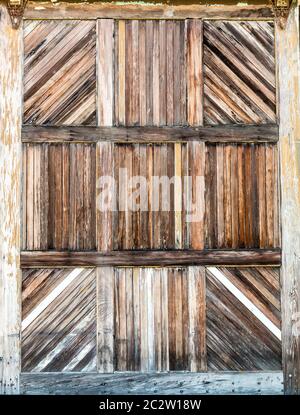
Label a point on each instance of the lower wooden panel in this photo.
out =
(255, 383)
(58, 320)
(243, 318)
(158, 319)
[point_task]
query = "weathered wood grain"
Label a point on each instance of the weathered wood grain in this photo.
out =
(59, 196)
(10, 195)
(60, 73)
(239, 72)
(289, 148)
(155, 329)
(242, 207)
(59, 320)
(194, 72)
(104, 206)
(214, 133)
(105, 72)
(146, 11)
(144, 258)
(151, 65)
(234, 383)
(243, 319)
(105, 319)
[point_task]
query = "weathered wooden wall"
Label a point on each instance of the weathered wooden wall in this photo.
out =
(149, 119)
(10, 202)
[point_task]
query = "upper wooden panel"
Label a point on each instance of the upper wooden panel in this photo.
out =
(239, 72)
(60, 72)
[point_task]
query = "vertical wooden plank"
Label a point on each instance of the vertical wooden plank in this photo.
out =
(178, 197)
(158, 196)
(120, 319)
(10, 179)
(137, 318)
(227, 196)
(176, 72)
(104, 206)
(105, 319)
(149, 71)
(270, 195)
(197, 169)
(128, 211)
(144, 320)
(24, 196)
(162, 73)
(241, 196)
(105, 85)
(128, 73)
(165, 319)
(262, 195)
(197, 316)
(142, 72)
(30, 197)
(194, 72)
(135, 93)
(156, 74)
(234, 198)
(44, 204)
(170, 73)
(220, 195)
(121, 72)
(288, 69)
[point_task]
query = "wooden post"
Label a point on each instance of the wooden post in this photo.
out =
(288, 67)
(10, 165)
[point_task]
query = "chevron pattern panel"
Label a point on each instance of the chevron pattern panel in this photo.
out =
(239, 73)
(243, 319)
(59, 320)
(60, 72)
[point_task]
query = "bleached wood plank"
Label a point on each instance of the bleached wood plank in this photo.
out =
(10, 200)
(234, 383)
(48, 10)
(105, 319)
(288, 68)
(105, 67)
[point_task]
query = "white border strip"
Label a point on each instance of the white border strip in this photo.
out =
(244, 300)
(53, 294)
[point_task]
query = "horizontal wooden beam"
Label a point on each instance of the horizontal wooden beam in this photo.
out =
(50, 10)
(239, 383)
(216, 133)
(150, 258)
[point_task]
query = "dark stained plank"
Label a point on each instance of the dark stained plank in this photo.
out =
(214, 133)
(140, 258)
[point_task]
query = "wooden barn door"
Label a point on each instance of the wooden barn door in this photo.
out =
(144, 294)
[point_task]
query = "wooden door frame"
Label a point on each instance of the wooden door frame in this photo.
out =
(288, 66)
